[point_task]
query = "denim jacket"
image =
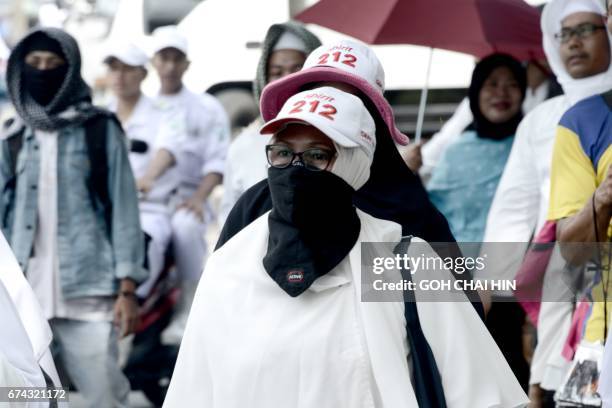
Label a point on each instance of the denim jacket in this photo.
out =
(90, 262)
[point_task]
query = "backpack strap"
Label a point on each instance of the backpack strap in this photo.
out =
(12, 132)
(608, 98)
(50, 387)
(428, 387)
(96, 130)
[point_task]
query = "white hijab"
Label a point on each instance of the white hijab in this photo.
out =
(553, 14)
(352, 165)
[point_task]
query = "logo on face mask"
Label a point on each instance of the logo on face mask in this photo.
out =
(295, 276)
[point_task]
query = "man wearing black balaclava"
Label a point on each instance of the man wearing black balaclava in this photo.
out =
(69, 209)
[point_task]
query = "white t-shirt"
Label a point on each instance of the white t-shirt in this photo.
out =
(205, 146)
(43, 268)
(160, 126)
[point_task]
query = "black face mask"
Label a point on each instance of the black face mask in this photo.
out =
(42, 85)
(313, 226)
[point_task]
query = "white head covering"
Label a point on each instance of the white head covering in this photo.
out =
(582, 6)
(552, 16)
(290, 41)
(350, 126)
(352, 165)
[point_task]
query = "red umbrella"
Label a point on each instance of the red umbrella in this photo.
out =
(477, 27)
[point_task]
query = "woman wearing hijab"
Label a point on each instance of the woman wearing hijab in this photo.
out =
(463, 185)
(393, 192)
(283, 324)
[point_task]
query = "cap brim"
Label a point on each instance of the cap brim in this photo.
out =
(161, 47)
(276, 93)
(276, 125)
(124, 60)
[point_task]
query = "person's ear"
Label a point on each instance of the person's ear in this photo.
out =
(187, 64)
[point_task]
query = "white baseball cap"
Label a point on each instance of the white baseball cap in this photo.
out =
(126, 52)
(350, 56)
(339, 115)
(345, 61)
(169, 37)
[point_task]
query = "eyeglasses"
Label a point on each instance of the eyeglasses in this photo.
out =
(281, 157)
(582, 31)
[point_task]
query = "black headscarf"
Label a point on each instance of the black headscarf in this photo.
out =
(483, 127)
(69, 90)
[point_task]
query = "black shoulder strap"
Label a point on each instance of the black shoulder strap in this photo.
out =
(50, 387)
(13, 133)
(608, 98)
(96, 130)
(427, 382)
(15, 143)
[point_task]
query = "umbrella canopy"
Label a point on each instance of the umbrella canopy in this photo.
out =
(477, 27)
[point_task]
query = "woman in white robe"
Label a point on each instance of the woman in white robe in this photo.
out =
(274, 324)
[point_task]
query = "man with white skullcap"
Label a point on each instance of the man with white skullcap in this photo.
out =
(284, 52)
(581, 188)
(200, 167)
(156, 132)
(578, 51)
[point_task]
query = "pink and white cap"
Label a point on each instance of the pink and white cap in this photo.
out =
(339, 115)
(346, 61)
(350, 56)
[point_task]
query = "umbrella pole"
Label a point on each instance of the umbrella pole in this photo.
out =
(423, 103)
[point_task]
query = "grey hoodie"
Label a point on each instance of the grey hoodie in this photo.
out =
(73, 93)
(272, 36)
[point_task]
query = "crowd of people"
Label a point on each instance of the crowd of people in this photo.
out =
(104, 208)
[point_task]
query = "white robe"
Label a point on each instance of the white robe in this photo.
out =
(28, 311)
(248, 343)
(18, 364)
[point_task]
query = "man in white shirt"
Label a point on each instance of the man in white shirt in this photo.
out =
(521, 202)
(155, 132)
(201, 164)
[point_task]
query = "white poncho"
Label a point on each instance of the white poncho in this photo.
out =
(249, 344)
